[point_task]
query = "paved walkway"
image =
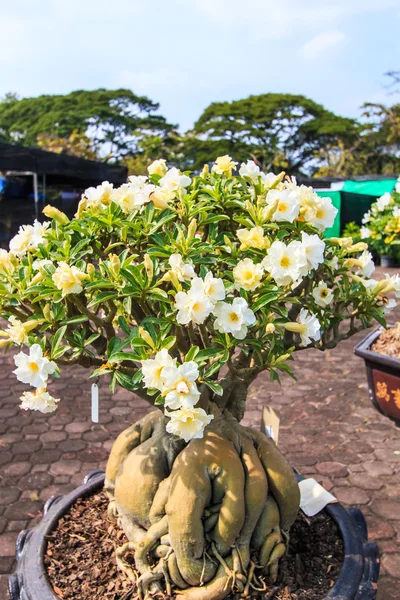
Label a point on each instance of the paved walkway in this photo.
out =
(328, 431)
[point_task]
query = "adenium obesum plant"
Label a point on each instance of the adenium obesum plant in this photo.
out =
(381, 225)
(183, 289)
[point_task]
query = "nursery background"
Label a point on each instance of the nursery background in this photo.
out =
(294, 85)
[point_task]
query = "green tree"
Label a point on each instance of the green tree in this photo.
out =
(117, 122)
(376, 150)
(275, 130)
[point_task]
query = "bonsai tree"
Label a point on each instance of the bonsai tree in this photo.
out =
(381, 225)
(183, 290)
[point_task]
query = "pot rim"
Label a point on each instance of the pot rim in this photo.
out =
(356, 580)
(362, 349)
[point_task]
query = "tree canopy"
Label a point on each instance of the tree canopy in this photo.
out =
(275, 130)
(117, 122)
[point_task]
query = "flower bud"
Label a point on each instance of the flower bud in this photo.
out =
(146, 336)
(191, 230)
(53, 213)
(295, 327)
(115, 265)
(205, 171)
(29, 325)
(37, 279)
(270, 210)
(148, 265)
(359, 247)
(270, 328)
(90, 269)
(344, 242)
(46, 312)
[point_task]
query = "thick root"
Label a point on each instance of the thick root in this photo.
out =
(203, 520)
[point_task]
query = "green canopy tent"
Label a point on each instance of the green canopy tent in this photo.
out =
(354, 199)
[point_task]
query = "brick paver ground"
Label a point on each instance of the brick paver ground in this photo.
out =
(328, 431)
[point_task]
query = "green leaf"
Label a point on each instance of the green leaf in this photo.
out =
(191, 355)
(215, 387)
(169, 342)
(118, 357)
(73, 320)
(102, 297)
(264, 300)
(208, 353)
(57, 339)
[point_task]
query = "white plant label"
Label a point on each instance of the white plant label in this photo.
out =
(95, 403)
(313, 497)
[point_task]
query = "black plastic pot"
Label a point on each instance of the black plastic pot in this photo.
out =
(356, 581)
(383, 374)
(389, 262)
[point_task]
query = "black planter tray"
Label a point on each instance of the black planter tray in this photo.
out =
(383, 374)
(356, 581)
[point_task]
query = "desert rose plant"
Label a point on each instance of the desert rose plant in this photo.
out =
(381, 225)
(183, 289)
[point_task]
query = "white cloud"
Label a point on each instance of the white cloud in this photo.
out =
(321, 44)
(166, 79)
(272, 19)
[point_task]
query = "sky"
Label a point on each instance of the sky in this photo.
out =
(185, 54)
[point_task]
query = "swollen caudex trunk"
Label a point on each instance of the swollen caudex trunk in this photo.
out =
(203, 519)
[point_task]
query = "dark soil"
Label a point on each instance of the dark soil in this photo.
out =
(388, 342)
(81, 565)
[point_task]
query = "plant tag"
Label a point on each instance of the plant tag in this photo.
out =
(95, 403)
(270, 422)
(313, 497)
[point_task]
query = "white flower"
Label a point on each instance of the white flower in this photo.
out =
(366, 218)
(28, 238)
(188, 424)
(313, 248)
(6, 264)
(397, 186)
(333, 263)
(389, 306)
(183, 271)
(22, 242)
(311, 327)
(287, 207)
(134, 195)
(234, 318)
(383, 201)
(68, 279)
(248, 274)
(224, 165)
(39, 400)
(40, 264)
(252, 238)
(213, 287)
(152, 369)
(324, 215)
(284, 263)
(33, 368)
(180, 389)
(193, 306)
(396, 211)
(365, 232)
(158, 167)
(270, 179)
(323, 295)
(16, 331)
(251, 170)
(174, 180)
(100, 195)
(39, 231)
(395, 279)
(162, 197)
(366, 263)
